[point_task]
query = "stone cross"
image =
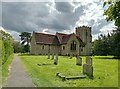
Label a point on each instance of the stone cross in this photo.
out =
(56, 60)
(78, 60)
(89, 60)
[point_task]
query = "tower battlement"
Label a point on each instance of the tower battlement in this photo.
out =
(83, 27)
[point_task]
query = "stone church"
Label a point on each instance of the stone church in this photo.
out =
(63, 44)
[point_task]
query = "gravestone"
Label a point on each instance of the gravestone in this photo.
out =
(88, 60)
(48, 55)
(52, 56)
(71, 56)
(56, 60)
(88, 70)
(78, 60)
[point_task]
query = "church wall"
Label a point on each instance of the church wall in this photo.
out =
(68, 50)
(33, 45)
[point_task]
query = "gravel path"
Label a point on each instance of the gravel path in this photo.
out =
(18, 76)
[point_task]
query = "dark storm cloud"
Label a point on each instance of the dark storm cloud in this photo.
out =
(30, 17)
(64, 7)
(0, 14)
(54, 16)
(21, 16)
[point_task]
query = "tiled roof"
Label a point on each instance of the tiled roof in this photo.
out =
(42, 38)
(63, 38)
(59, 38)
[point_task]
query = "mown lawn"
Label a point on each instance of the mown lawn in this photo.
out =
(105, 72)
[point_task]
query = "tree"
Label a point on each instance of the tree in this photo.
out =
(115, 43)
(113, 12)
(102, 46)
(25, 41)
(7, 48)
(17, 47)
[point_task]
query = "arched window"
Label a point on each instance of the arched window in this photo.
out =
(63, 47)
(73, 46)
(43, 47)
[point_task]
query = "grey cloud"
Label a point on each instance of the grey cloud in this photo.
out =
(61, 21)
(0, 14)
(29, 16)
(64, 7)
(16, 16)
(35, 16)
(96, 26)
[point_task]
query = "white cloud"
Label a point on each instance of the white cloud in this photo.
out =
(107, 29)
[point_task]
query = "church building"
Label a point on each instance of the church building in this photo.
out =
(61, 43)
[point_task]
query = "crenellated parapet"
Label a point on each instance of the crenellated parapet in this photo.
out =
(83, 27)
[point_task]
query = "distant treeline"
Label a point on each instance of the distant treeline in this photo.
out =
(107, 45)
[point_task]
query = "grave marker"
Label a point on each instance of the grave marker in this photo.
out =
(88, 70)
(78, 60)
(88, 60)
(52, 56)
(56, 60)
(48, 55)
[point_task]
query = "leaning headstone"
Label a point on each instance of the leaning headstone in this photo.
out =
(56, 60)
(88, 60)
(88, 70)
(48, 55)
(52, 56)
(78, 60)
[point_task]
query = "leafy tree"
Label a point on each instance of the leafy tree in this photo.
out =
(7, 48)
(115, 43)
(25, 41)
(17, 47)
(113, 12)
(101, 46)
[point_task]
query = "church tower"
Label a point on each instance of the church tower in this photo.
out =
(84, 33)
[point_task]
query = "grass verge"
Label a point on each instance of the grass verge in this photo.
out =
(5, 69)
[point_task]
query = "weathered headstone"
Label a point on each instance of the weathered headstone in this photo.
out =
(52, 56)
(88, 60)
(78, 60)
(48, 55)
(56, 60)
(71, 56)
(88, 70)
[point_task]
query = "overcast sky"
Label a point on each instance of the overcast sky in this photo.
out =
(52, 17)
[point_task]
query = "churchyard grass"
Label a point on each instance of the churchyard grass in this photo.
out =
(105, 71)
